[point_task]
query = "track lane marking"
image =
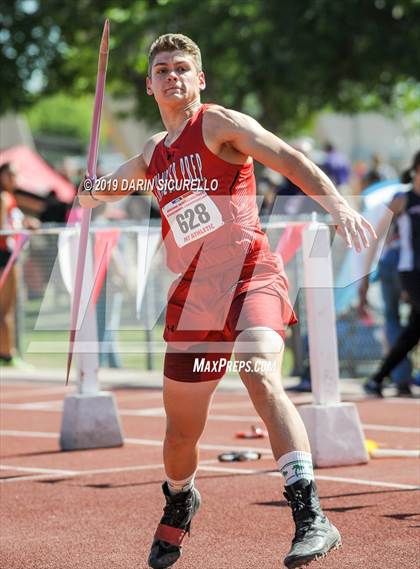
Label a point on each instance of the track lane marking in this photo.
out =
(357, 481)
(34, 434)
(390, 428)
(159, 443)
(36, 469)
(56, 405)
(45, 474)
(203, 446)
(29, 392)
(129, 440)
(52, 406)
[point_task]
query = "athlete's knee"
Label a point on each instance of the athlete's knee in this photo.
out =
(262, 377)
(186, 432)
(259, 340)
(180, 437)
(263, 385)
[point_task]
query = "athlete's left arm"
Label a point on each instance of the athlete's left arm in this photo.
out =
(247, 136)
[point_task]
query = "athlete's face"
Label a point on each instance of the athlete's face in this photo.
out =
(8, 180)
(174, 79)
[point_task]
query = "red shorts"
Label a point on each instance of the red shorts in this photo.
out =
(224, 313)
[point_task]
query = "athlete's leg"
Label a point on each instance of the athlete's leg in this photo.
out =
(408, 338)
(186, 406)
(261, 351)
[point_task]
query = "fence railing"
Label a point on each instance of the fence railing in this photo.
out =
(131, 331)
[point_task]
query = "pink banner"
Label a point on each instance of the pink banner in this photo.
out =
(290, 242)
(105, 242)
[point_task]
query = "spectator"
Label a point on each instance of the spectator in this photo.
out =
(55, 210)
(292, 200)
(406, 208)
(391, 294)
(336, 165)
(379, 170)
(10, 217)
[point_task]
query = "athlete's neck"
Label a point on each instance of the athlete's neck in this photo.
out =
(175, 119)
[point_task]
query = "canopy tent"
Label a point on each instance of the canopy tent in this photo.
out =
(35, 175)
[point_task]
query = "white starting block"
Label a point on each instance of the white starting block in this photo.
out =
(334, 428)
(90, 417)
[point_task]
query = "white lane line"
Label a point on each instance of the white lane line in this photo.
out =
(149, 412)
(75, 473)
(29, 392)
(394, 453)
(56, 406)
(390, 428)
(29, 478)
(368, 482)
(140, 398)
(158, 443)
(135, 441)
(46, 474)
(203, 446)
(340, 479)
(34, 434)
(131, 468)
(36, 406)
(160, 412)
(36, 470)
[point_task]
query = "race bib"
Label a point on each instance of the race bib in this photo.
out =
(192, 216)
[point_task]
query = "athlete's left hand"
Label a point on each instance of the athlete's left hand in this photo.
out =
(352, 227)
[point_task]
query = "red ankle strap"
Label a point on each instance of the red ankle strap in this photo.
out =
(174, 536)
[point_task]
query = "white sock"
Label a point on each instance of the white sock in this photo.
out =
(295, 466)
(177, 486)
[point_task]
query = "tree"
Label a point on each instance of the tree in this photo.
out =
(278, 59)
(60, 114)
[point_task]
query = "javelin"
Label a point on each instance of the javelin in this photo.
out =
(91, 175)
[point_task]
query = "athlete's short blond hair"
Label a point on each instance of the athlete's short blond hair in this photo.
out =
(175, 42)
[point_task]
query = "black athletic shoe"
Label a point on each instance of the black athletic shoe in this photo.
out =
(372, 387)
(404, 390)
(304, 386)
(174, 525)
(315, 535)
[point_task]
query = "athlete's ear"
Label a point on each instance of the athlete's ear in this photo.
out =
(202, 80)
(149, 90)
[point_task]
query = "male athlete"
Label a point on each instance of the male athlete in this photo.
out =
(232, 291)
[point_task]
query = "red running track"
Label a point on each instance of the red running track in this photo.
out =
(99, 508)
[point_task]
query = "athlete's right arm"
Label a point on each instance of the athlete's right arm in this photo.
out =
(120, 183)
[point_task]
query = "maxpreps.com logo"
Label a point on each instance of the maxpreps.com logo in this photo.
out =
(257, 365)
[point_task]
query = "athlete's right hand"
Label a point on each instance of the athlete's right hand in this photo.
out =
(84, 192)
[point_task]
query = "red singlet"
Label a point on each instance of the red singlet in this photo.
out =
(213, 237)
